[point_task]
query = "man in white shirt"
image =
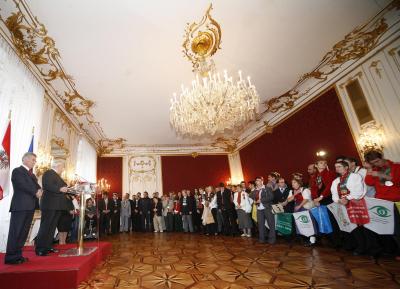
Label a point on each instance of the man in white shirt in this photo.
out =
(348, 185)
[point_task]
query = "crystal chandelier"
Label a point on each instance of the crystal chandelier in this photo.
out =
(214, 104)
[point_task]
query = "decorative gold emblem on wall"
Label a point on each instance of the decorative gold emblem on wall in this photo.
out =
(202, 40)
(355, 45)
(30, 40)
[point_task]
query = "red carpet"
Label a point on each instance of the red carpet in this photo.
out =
(52, 271)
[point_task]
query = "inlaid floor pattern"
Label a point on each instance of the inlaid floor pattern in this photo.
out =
(177, 260)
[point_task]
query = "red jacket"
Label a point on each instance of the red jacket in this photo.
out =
(389, 193)
(327, 178)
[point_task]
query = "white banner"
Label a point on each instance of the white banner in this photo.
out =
(342, 218)
(304, 223)
(381, 216)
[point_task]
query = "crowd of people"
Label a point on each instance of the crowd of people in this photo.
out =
(247, 209)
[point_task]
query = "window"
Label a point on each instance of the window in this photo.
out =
(360, 105)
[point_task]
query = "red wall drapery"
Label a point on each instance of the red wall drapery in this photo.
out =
(320, 125)
(186, 172)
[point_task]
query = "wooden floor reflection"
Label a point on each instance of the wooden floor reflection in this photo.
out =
(177, 260)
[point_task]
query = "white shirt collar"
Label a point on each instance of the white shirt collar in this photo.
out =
(25, 167)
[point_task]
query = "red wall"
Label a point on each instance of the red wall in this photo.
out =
(186, 172)
(293, 143)
(110, 168)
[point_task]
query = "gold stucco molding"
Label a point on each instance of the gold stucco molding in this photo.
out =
(37, 50)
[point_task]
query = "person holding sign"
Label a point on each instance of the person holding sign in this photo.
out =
(384, 175)
(302, 200)
(349, 190)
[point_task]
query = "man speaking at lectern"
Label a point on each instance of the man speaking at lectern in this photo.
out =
(51, 206)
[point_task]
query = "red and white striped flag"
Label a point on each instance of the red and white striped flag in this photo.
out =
(5, 149)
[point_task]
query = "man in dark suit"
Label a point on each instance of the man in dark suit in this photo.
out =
(51, 206)
(105, 212)
(115, 208)
(228, 210)
(26, 194)
(263, 199)
(145, 205)
(135, 213)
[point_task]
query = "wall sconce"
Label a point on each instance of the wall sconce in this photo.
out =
(43, 162)
(321, 153)
(371, 138)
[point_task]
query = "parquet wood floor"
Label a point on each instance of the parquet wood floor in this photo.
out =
(178, 260)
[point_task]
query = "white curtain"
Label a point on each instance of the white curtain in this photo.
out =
(23, 95)
(86, 162)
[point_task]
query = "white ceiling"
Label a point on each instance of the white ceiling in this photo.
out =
(126, 55)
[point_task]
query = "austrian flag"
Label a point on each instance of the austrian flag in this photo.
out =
(5, 161)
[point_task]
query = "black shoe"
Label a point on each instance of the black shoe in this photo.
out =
(14, 262)
(52, 250)
(309, 244)
(41, 253)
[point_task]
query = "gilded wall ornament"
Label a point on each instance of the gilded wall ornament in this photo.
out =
(354, 46)
(106, 146)
(38, 51)
(228, 144)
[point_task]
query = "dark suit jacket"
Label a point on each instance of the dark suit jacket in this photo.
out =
(115, 206)
(267, 197)
(102, 205)
(158, 207)
(52, 198)
(25, 188)
(225, 201)
(281, 197)
(145, 205)
(190, 205)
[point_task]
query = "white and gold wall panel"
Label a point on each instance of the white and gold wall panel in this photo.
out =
(379, 78)
(142, 173)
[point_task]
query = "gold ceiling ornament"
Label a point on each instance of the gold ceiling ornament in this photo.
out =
(106, 146)
(227, 144)
(201, 41)
(354, 46)
(194, 154)
(215, 104)
(37, 50)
